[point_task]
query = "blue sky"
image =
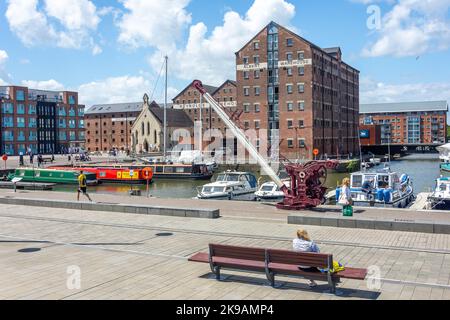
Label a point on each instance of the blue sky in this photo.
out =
(111, 51)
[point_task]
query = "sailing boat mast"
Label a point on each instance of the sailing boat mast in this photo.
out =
(165, 111)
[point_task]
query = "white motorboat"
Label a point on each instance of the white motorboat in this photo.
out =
(270, 191)
(382, 188)
(444, 157)
(440, 198)
(375, 161)
(230, 185)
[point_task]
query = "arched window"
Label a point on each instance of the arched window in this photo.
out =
(148, 128)
(142, 129)
(155, 136)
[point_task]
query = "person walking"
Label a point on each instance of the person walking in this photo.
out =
(21, 163)
(31, 158)
(303, 243)
(345, 198)
(82, 186)
(39, 160)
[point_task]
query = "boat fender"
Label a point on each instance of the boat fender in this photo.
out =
(404, 178)
(338, 193)
(387, 196)
(380, 195)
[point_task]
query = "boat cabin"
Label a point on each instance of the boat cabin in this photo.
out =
(381, 180)
(238, 177)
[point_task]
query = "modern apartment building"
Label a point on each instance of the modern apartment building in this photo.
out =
(414, 123)
(108, 126)
(40, 121)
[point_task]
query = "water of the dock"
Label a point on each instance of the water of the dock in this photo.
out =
(45, 251)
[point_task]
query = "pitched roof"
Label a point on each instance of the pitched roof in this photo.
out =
(208, 88)
(232, 82)
(176, 118)
(295, 35)
(416, 106)
(119, 107)
(334, 51)
(115, 107)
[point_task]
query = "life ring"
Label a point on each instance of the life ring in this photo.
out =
(147, 173)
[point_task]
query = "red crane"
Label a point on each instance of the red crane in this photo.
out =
(307, 180)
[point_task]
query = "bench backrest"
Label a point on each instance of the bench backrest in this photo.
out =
(308, 259)
(234, 252)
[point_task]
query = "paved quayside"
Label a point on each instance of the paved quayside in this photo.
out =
(130, 256)
(330, 216)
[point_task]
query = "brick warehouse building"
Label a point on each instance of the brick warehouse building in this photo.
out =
(407, 122)
(108, 126)
(285, 82)
(42, 121)
(189, 101)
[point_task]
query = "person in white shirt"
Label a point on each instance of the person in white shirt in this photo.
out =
(303, 243)
(345, 198)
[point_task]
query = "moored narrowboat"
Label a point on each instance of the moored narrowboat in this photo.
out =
(51, 176)
(166, 170)
(116, 175)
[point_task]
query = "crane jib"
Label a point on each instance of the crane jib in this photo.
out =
(240, 135)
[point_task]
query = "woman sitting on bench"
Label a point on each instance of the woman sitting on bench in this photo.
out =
(303, 243)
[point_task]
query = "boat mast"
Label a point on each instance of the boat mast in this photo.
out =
(360, 151)
(165, 110)
(201, 126)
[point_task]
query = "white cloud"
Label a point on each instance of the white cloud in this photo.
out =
(61, 23)
(122, 89)
(73, 14)
(153, 23)
(373, 91)
(43, 85)
(96, 50)
(411, 28)
(211, 57)
(4, 77)
(3, 57)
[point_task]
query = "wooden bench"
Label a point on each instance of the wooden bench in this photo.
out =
(275, 262)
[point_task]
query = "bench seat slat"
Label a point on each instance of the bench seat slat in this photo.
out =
(300, 258)
(353, 273)
(202, 257)
(235, 252)
(229, 262)
(289, 269)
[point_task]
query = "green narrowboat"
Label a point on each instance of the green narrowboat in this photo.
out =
(51, 176)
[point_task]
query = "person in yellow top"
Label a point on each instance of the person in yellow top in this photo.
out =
(82, 186)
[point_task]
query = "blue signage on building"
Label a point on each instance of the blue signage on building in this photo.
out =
(364, 134)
